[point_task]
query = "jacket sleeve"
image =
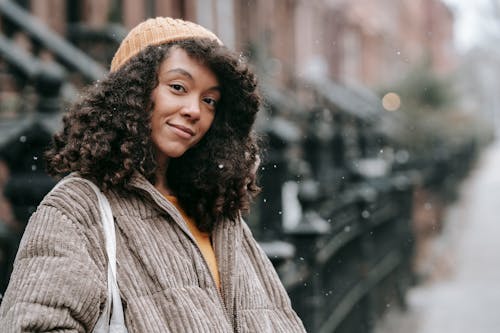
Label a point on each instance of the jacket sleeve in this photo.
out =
(56, 284)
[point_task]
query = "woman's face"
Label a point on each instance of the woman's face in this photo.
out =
(184, 104)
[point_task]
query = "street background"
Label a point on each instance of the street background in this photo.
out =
(379, 124)
(462, 293)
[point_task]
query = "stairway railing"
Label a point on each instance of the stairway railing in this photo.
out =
(31, 69)
(65, 52)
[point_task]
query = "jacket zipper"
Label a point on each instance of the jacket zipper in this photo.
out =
(184, 227)
(219, 291)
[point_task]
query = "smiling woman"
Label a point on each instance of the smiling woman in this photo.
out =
(153, 135)
(184, 104)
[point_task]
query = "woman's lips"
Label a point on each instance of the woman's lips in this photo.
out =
(182, 131)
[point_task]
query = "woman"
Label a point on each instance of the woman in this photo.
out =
(167, 136)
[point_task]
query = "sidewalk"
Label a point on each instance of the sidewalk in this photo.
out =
(467, 298)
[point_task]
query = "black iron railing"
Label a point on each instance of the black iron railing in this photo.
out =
(66, 53)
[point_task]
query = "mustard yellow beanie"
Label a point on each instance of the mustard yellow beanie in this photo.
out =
(157, 31)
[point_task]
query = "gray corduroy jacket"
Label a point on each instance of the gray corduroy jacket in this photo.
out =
(59, 278)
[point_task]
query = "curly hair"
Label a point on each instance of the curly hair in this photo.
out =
(107, 135)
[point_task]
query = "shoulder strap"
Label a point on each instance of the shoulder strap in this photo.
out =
(105, 323)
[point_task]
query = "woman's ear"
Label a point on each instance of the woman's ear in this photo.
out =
(256, 164)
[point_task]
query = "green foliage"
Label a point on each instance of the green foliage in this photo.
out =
(423, 89)
(429, 116)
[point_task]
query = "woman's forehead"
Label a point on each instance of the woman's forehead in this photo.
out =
(179, 63)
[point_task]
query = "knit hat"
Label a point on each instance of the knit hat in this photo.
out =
(157, 31)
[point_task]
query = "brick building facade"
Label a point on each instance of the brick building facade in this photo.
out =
(361, 42)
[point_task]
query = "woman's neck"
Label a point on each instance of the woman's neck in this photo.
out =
(165, 191)
(161, 179)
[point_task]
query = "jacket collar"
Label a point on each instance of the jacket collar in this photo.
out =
(138, 181)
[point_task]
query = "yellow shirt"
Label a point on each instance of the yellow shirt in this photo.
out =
(202, 239)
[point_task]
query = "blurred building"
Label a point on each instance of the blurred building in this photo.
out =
(478, 85)
(372, 42)
(363, 42)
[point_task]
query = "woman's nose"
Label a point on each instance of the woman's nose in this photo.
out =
(191, 109)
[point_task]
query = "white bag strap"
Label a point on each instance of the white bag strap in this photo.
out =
(105, 324)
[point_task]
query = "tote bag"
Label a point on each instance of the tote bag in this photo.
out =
(111, 319)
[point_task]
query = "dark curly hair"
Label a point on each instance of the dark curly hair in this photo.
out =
(107, 135)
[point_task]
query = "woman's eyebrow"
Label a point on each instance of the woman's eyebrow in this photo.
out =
(188, 75)
(181, 71)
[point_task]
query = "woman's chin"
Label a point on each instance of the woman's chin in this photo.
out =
(176, 154)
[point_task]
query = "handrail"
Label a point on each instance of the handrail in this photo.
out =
(31, 68)
(381, 270)
(64, 51)
(28, 65)
(112, 32)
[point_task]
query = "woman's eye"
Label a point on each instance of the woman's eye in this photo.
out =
(177, 87)
(210, 101)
